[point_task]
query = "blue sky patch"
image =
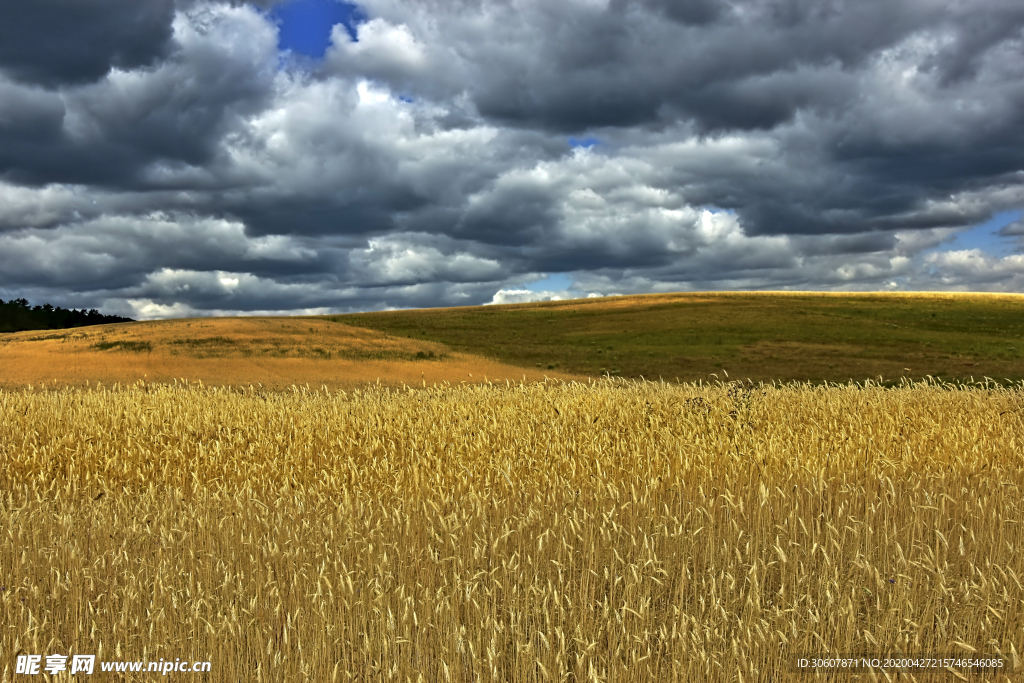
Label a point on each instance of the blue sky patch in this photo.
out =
(985, 236)
(305, 25)
(583, 142)
(554, 282)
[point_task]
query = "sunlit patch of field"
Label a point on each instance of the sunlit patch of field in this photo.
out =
(237, 351)
(600, 531)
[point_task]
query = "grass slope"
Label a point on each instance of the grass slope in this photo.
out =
(763, 336)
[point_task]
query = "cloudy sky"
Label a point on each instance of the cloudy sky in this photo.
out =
(186, 157)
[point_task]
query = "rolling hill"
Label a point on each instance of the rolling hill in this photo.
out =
(761, 336)
(274, 352)
(687, 336)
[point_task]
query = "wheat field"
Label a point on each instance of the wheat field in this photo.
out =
(600, 531)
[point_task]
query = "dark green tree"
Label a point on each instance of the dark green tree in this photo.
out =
(16, 316)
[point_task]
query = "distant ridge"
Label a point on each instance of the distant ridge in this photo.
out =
(17, 316)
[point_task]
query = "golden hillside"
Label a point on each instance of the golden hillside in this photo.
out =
(238, 351)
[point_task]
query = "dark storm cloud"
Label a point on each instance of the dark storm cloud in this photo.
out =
(977, 34)
(692, 12)
(57, 42)
(113, 131)
(1014, 229)
(117, 252)
(878, 107)
(577, 65)
(320, 216)
(31, 124)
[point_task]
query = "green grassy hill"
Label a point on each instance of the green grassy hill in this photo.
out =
(761, 336)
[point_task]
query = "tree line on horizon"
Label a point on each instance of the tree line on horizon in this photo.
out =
(17, 315)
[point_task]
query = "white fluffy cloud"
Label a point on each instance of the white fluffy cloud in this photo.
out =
(522, 296)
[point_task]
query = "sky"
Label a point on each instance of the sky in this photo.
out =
(177, 158)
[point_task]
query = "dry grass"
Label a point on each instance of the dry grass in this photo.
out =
(275, 352)
(610, 531)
